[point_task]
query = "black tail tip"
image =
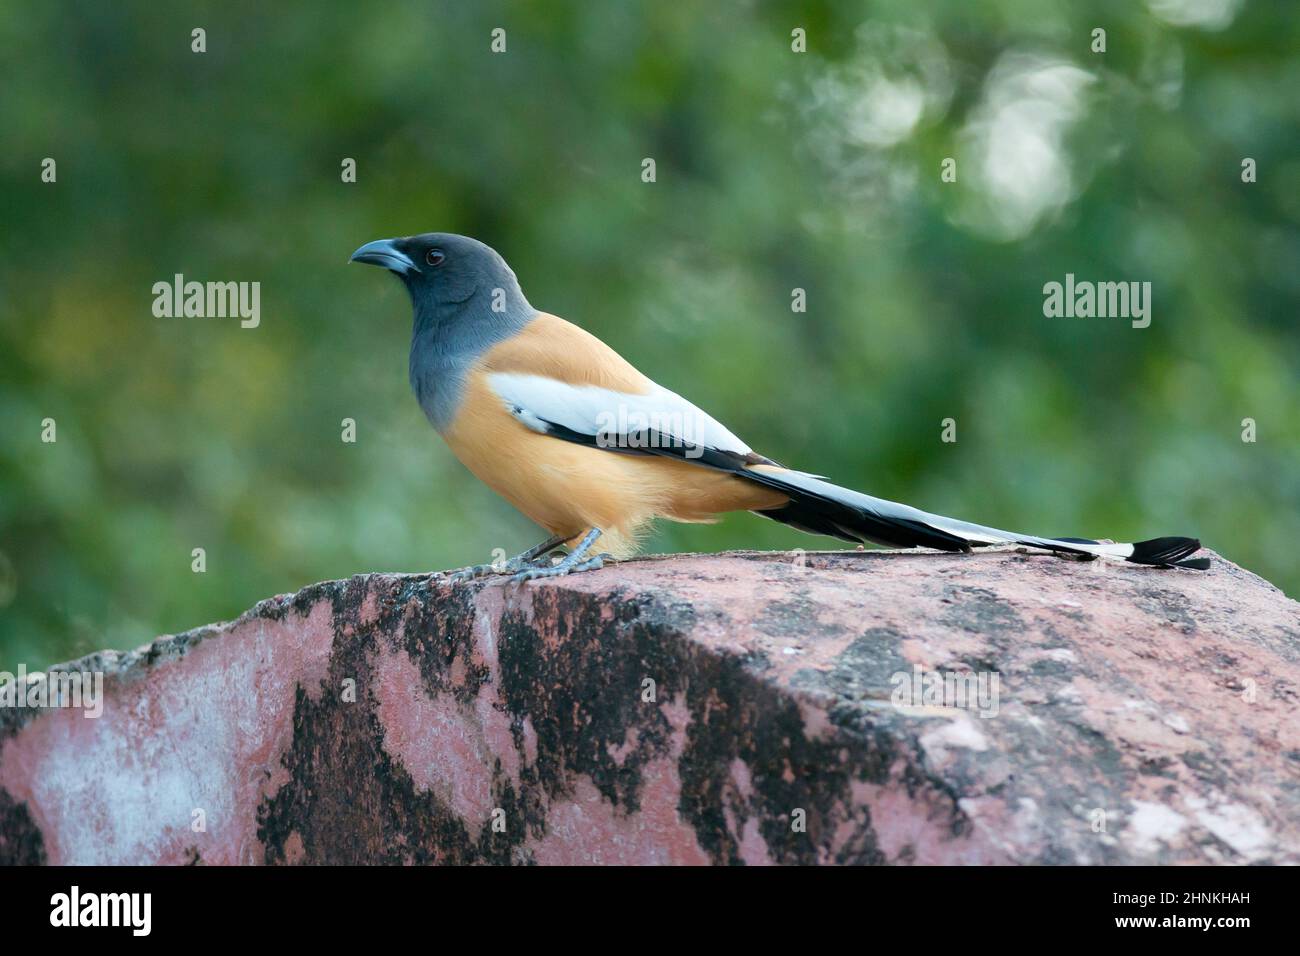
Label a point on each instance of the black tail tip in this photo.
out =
(1169, 553)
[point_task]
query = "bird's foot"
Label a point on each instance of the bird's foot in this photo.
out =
(575, 560)
(567, 566)
(519, 563)
(535, 557)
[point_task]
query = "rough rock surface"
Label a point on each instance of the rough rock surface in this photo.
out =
(1142, 715)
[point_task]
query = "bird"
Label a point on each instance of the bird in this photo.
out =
(576, 438)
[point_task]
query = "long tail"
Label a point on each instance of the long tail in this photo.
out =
(819, 507)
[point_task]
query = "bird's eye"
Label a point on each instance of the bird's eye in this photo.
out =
(435, 257)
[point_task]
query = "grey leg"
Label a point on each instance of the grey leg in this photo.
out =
(519, 562)
(576, 560)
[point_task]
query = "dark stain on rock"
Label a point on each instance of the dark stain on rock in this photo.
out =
(582, 694)
(756, 662)
(981, 611)
(861, 670)
(21, 843)
(1157, 767)
(733, 717)
(1096, 752)
(580, 686)
(794, 619)
(346, 799)
(1045, 668)
(578, 681)
(1206, 768)
(1166, 604)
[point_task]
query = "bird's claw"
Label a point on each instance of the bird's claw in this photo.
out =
(564, 567)
(514, 565)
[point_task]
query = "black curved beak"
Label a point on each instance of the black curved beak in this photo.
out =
(384, 252)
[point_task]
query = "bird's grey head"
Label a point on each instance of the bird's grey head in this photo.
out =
(466, 299)
(448, 275)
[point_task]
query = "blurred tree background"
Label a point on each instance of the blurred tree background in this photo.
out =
(776, 170)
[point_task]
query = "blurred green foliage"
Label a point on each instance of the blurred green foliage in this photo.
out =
(775, 170)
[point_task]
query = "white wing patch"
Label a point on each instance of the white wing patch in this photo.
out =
(614, 419)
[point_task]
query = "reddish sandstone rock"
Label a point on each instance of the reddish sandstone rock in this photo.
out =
(1143, 715)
